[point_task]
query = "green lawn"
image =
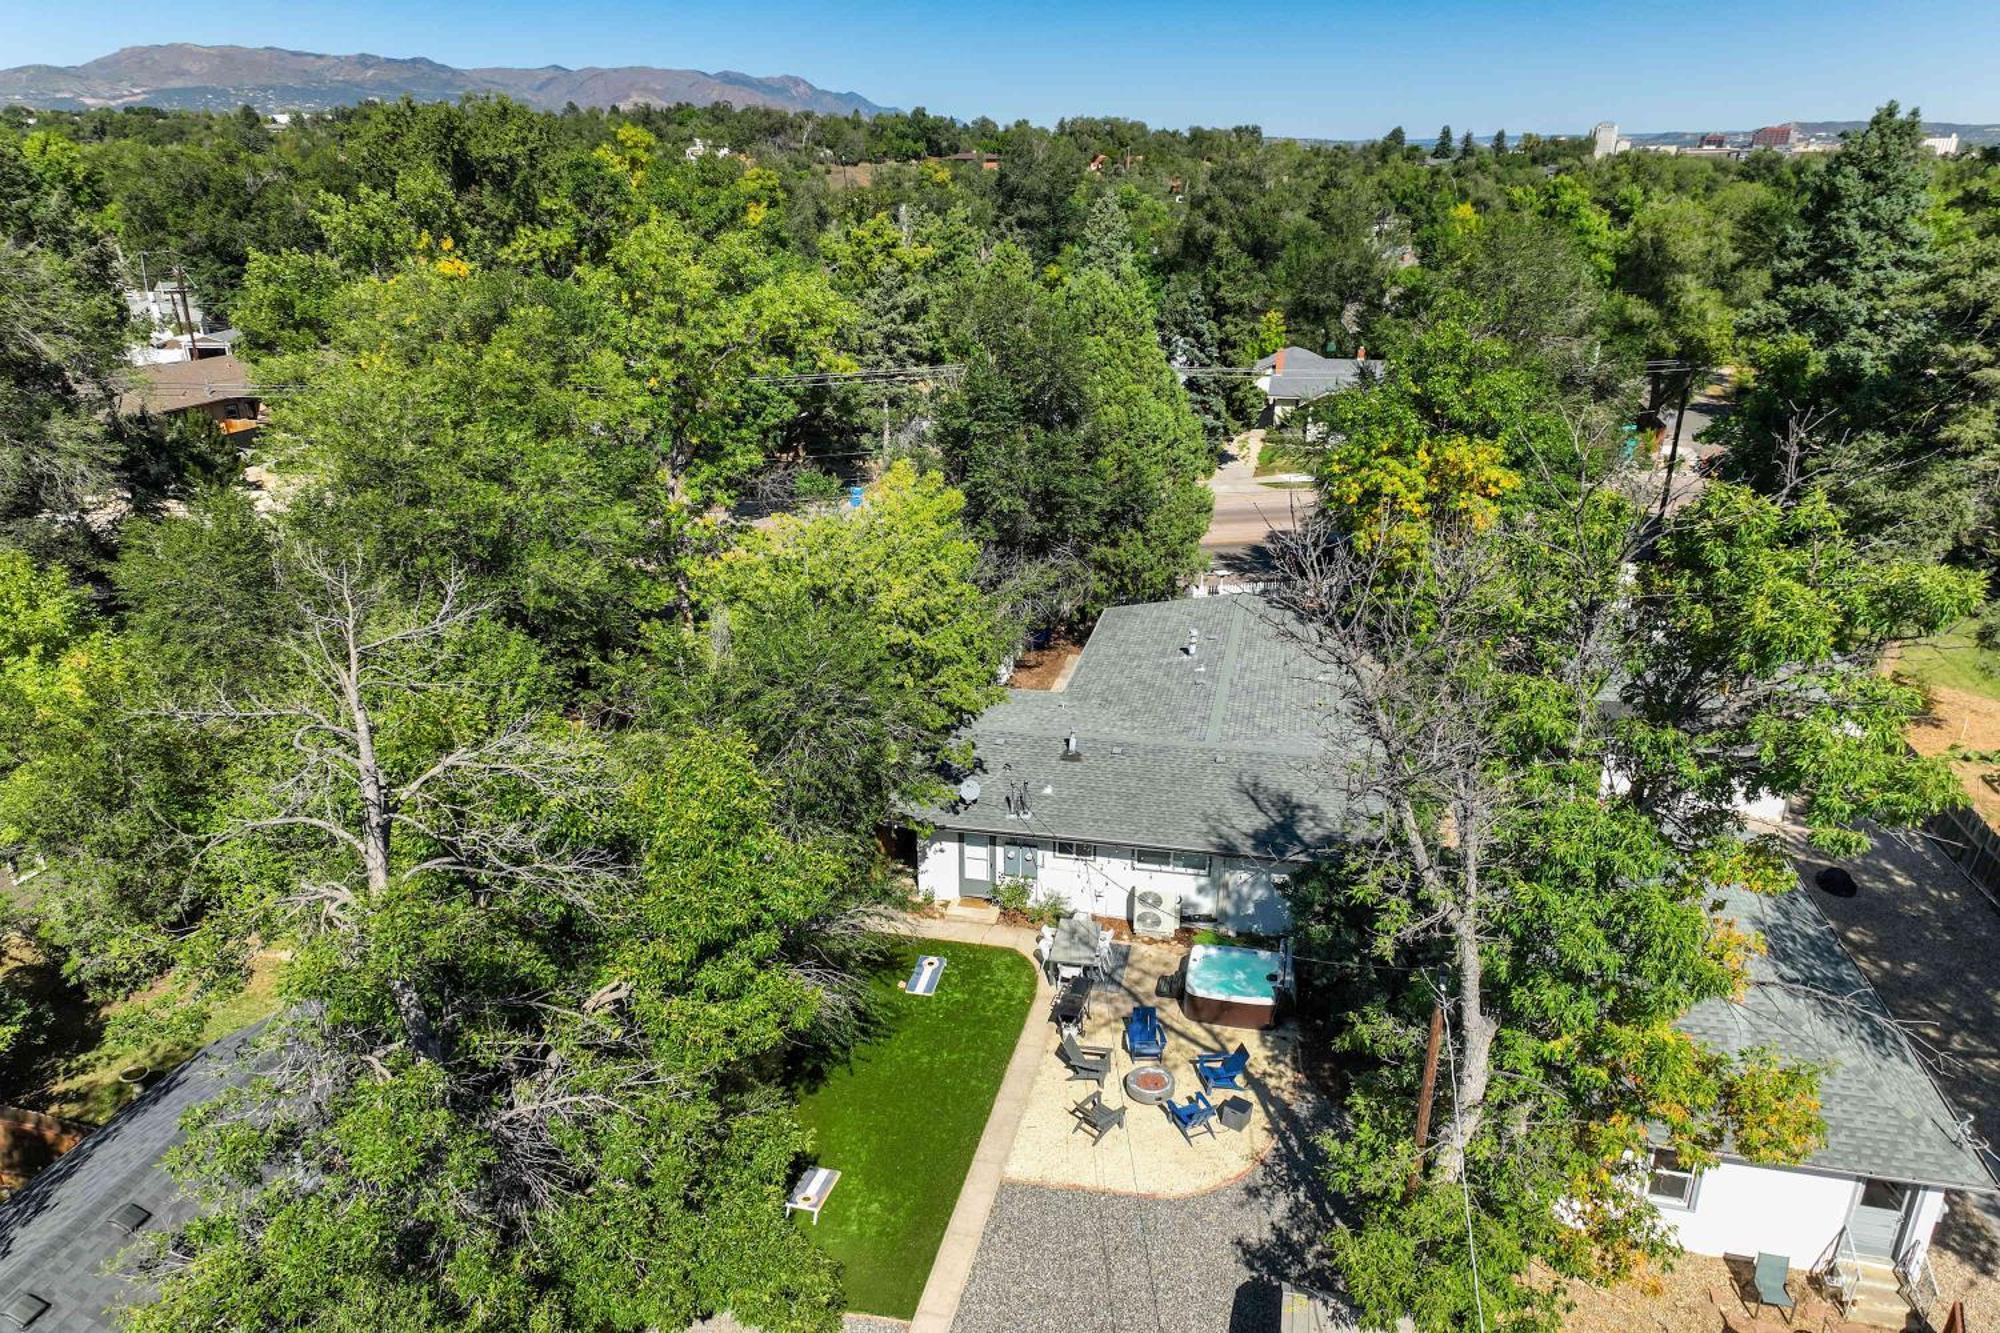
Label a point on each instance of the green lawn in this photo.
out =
(90, 1090)
(901, 1120)
(1953, 660)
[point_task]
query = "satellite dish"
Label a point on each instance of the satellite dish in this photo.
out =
(968, 790)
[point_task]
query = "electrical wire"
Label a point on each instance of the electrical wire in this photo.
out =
(1458, 1138)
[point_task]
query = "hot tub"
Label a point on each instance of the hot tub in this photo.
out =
(1231, 987)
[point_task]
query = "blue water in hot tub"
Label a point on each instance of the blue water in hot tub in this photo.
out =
(1225, 972)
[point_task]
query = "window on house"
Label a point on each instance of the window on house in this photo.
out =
(1171, 861)
(1669, 1182)
(1076, 851)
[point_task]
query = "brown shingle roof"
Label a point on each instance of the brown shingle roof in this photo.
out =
(176, 386)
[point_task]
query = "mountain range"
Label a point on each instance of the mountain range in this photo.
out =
(220, 78)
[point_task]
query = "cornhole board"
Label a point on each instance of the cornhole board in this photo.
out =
(924, 976)
(809, 1195)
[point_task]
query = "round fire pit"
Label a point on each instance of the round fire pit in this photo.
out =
(1149, 1085)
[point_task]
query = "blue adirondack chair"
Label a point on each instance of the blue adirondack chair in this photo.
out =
(1197, 1113)
(1222, 1071)
(1145, 1035)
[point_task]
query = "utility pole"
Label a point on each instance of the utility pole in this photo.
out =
(1425, 1092)
(1674, 449)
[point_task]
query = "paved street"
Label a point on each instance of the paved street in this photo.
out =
(1246, 509)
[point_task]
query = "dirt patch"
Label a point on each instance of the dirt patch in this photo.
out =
(1045, 668)
(1970, 722)
(1689, 1298)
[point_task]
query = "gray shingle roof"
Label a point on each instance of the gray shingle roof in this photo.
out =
(59, 1235)
(1221, 752)
(1298, 374)
(1884, 1116)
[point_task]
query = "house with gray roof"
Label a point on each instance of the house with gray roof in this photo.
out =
(1187, 758)
(1861, 1208)
(1291, 377)
(70, 1237)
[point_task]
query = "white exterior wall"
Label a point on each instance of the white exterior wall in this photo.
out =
(937, 866)
(1930, 1211)
(1742, 1209)
(1240, 893)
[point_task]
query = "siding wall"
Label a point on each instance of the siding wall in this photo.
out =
(1742, 1209)
(1240, 894)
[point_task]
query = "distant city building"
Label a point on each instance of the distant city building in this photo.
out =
(1784, 138)
(1604, 140)
(1714, 141)
(1944, 145)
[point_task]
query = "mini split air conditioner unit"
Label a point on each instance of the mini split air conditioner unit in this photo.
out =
(1156, 911)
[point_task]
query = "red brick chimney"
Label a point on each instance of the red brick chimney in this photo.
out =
(1278, 366)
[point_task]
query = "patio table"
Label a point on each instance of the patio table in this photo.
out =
(1075, 944)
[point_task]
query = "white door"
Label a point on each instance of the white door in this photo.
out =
(975, 875)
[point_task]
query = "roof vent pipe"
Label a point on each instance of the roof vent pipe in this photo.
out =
(1193, 643)
(1071, 749)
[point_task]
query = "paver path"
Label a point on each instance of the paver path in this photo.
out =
(939, 1304)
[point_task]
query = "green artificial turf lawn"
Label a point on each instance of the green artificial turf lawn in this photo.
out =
(900, 1121)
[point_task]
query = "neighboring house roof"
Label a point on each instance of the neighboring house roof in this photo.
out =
(1296, 375)
(1885, 1118)
(1222, 752)
(175, 386)
(60, 1239)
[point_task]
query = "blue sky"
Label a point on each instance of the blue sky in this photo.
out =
(1331, 68)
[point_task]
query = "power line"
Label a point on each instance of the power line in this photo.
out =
(1465, 1187)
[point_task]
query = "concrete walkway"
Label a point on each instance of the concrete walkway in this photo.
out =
(937, 1308)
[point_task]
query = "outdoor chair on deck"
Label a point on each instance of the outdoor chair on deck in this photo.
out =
(1145, 1035)
(1222, 1071)
(1197, 1113)
(1086, 1062)
(1770, 1278)
(1095, 1118)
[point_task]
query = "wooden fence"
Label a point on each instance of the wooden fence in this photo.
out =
(1968, 840)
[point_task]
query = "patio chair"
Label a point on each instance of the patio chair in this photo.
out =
(1222, 1071)
(1770, 1279)
(1197, 1113)
(1085, 1062)
(1145, 1035)
(1095, 1118)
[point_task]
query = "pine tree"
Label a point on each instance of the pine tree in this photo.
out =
(1499, 141)
(1466, 148)
(1444, 142)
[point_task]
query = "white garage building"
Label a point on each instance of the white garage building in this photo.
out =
(1181, 772)
(1861, 1210)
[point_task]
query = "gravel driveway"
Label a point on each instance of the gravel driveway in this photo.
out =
(1076, 1261)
